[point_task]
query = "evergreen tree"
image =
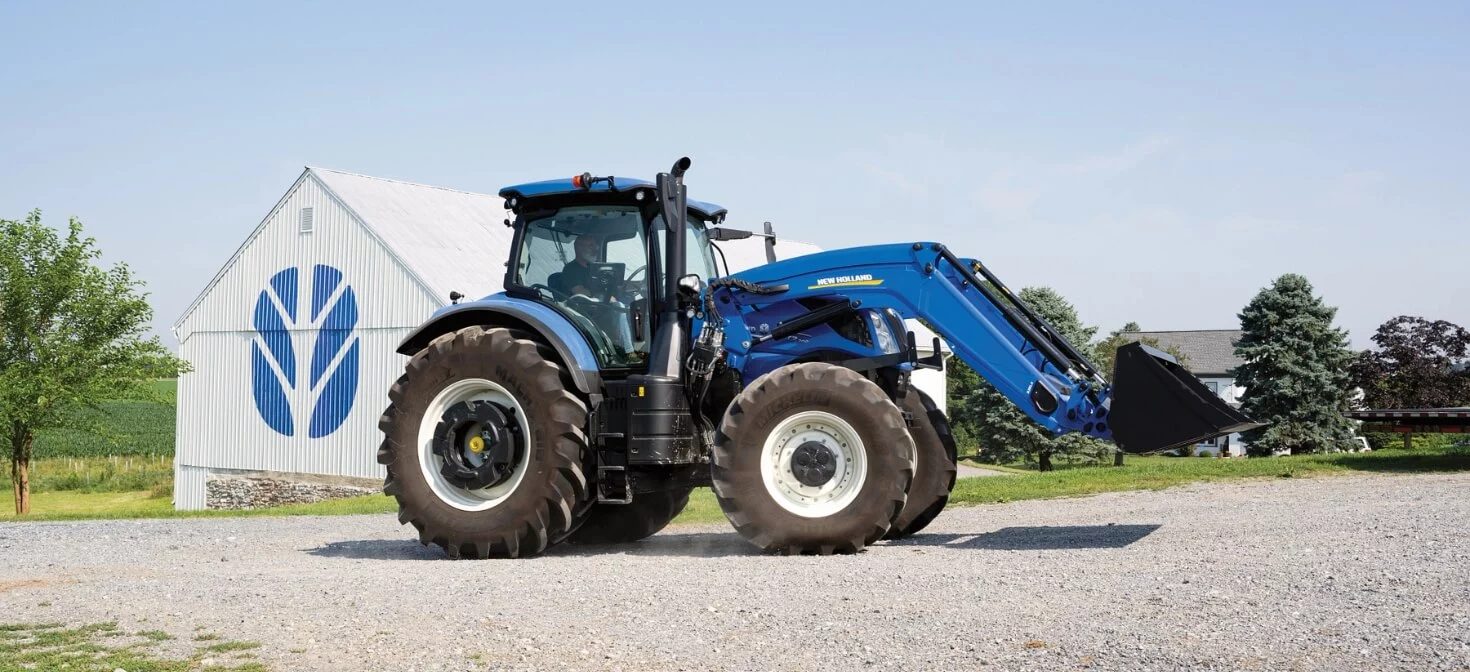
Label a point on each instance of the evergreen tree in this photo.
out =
(1004, 433)
(1295, 372)
(959, 382)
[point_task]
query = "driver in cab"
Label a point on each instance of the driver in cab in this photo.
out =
(576, 276)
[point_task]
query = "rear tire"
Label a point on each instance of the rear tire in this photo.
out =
(812, 458)
(535, 505)
(934, 475)
(648, 513)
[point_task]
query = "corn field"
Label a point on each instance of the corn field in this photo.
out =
(130, 428)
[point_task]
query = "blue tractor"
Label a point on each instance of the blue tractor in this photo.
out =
(619, 370)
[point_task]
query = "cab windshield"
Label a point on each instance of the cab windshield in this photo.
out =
(590, 263)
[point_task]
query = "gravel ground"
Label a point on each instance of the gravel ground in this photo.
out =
(1362, 572)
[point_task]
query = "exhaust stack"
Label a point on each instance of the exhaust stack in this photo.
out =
(1157, 405)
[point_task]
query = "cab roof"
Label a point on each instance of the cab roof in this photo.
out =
(622, 184)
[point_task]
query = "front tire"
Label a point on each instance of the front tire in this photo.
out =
(812, 458)
(532, 503)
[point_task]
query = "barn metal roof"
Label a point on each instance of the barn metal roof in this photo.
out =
(451, 240)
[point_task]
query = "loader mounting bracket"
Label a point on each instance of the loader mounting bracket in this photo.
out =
(909, 355)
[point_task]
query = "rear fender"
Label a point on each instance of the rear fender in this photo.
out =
(499, 310)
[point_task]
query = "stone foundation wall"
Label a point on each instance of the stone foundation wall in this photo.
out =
(259, 493)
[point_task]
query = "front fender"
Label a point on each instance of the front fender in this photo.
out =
(501, 310)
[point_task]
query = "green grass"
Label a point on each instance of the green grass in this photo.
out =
(702, 508)
(101, 646)
(49, 506)
(223, 647)
(1151, 473)
(1155, 473)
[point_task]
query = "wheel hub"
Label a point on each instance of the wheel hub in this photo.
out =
(813, 463)
(480, 443)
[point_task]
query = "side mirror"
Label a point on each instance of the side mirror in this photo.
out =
(691, 285)
(723, 234)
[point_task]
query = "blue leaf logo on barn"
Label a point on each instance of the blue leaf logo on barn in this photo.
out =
(323, 397)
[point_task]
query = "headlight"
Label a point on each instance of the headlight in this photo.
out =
(887, 342)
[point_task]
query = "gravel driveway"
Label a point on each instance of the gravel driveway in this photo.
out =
(1362, 572)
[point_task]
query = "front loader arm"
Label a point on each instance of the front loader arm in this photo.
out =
(988, 327)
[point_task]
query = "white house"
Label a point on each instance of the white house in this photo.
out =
(292, 343)
(1211, 358)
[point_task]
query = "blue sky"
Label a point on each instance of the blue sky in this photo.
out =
(1153, 163)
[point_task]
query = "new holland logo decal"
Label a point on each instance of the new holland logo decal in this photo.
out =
(863, 280)
(293, 393)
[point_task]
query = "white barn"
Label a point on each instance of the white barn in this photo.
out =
(292, 342)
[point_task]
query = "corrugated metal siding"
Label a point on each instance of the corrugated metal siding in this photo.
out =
(223, 429)
(189, 487)
(262, 328)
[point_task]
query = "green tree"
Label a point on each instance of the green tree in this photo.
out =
(71, 336)
(1003, 431)
(1106, 350)
(959, 381)
(1295, 372)
(1418, 364)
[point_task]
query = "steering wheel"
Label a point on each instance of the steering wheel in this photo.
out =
(628, 282)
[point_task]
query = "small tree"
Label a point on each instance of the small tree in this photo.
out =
(1295, 371)
(1418, 364)
(71, 336)
(1003, 431)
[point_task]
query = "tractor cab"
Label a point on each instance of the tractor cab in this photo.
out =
(593, 250)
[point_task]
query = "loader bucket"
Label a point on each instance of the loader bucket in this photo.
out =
(1158, 405)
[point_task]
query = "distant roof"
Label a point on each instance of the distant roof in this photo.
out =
(565, 186)
(1210, 351)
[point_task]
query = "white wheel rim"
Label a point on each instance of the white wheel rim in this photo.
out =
(470, 389)
(814, 501)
